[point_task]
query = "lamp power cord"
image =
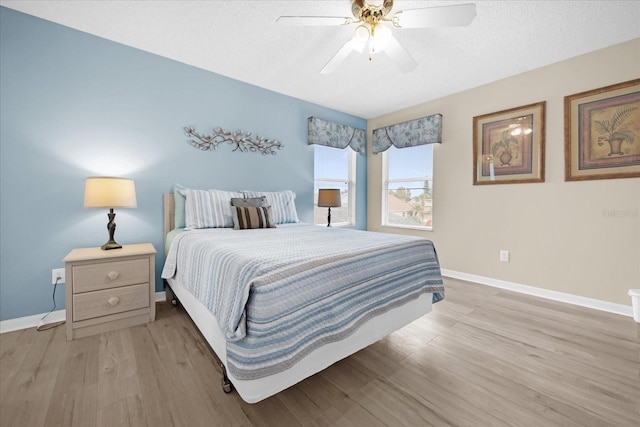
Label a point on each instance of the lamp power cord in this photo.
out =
(45, 327)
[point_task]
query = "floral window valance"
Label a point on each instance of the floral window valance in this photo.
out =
(335, 135)
(425, 130)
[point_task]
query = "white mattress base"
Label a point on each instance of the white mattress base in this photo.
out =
(252, 391)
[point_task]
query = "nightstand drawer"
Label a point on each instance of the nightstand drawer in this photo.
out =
(107, 275)
(111, 301)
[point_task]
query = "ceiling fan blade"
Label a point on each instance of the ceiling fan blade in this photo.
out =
(313, 20)
(431, 17)
(338, 57)
(399, 55)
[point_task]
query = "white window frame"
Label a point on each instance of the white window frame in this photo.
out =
(351, 188)
(385, 193)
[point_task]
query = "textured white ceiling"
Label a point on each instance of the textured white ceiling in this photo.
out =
(241, 39)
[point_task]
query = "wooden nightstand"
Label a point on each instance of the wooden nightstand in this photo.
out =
(110, 289)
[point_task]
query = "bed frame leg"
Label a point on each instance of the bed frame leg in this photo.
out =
(226, 384)
(170, 296)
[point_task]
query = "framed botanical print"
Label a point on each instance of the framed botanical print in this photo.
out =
(508, 146)
(602, 133)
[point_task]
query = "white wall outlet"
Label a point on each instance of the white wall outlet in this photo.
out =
(504, 256)
(57, 274)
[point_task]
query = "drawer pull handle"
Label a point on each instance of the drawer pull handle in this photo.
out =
(113, 301)
(113, 275)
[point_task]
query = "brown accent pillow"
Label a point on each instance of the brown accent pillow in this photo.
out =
(253, 217)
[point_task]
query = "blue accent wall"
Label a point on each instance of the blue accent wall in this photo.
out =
(74, 105)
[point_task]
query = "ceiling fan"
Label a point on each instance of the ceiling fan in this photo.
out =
(374, 34)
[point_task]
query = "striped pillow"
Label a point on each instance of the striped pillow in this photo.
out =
(253, 217)
(208, 208)
(283, 206)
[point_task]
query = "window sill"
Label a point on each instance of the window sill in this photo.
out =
(337, 225)
(408, 227)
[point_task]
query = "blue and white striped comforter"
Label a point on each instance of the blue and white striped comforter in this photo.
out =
(278, 294)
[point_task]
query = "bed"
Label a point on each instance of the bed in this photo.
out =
(280, 304)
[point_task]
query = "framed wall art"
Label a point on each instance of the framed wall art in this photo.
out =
(602, 133)
(508, 146)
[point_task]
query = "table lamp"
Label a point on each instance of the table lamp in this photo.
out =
(329, 198)
(109, 192)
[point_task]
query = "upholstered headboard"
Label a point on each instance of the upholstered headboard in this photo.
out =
(169, 213)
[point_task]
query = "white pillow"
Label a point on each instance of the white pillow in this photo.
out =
(283, 206)
(178, 200)
(208, 208)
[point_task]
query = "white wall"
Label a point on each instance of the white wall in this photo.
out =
(558, 232)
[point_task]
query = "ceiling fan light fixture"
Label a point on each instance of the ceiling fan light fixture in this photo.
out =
(362, 33)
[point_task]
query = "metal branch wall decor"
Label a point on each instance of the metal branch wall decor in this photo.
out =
(243, 141)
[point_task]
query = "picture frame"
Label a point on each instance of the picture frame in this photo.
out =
(602, 133)
(509, 146)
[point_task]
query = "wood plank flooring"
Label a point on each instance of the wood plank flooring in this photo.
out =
(482, 357)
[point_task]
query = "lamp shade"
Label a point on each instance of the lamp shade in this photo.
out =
(329, 198)
(109, 192)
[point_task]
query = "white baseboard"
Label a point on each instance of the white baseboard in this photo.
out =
(625, 310)
(27, 322)
(30, 321)
(161, 296)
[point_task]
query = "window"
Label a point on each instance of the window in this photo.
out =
(407, 189)
(335, 168)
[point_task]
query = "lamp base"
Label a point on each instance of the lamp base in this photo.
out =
(111, 244)
(111, 227)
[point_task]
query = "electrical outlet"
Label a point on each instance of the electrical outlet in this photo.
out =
(504, 256)
(57, 274)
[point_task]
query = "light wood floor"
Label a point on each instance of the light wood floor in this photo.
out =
(483, 357)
